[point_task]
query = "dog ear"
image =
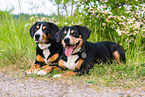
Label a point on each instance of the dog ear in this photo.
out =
(59, 34)
(84, 31)
(53, 30)
(32, 29)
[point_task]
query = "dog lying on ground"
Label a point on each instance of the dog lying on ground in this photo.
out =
(80, 55)
(47, 49)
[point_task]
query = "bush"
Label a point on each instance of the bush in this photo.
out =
(126, 21)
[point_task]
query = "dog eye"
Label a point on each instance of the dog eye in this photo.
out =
(45, 29)
(75, 34)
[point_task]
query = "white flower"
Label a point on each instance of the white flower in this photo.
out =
(126, 32)
(65, 23)
(120, 23)
(26, 25)
(109, 12)
(87, 6)
(43, 18)
(119, 6)
(31, 17)
(86, 13)
(103, 23)
(57, 22)
(118, 31)
(106, 0)
(141, 23)
(126, 39)
(123, 17)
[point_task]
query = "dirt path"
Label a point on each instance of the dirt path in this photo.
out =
(33, 87)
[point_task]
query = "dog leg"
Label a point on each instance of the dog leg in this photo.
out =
(79, 64)
(47, 69)
(34, 69)
(69, 73)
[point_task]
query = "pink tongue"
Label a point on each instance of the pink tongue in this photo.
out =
(68, 50)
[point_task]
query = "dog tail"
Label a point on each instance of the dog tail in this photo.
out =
(119, 54)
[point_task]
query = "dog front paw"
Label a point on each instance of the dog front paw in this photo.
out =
(29, 71)
(32, 71)
(57, 76)
(41, 72)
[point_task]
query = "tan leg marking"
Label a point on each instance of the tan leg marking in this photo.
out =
(45, 66)
(79, 64)
(51, 68)
(53, 58)
(69, 73)
(117, 57)
(35, 68)
(48, 69)
(60, 63)
(40, 58)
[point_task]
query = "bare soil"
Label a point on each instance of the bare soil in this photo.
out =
(34, 87)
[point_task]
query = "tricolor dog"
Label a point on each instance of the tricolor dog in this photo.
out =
(79, 55)
(47, 49)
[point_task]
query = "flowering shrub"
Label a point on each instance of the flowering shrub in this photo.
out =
(125, 22)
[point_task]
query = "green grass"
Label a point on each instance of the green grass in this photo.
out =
(15, 40)
(17, 53)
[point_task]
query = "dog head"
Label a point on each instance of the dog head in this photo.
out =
(43, 31)
(72, 38)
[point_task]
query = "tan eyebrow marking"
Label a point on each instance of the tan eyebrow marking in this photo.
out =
(37, 26)
(44, 27)
(72, 31)
(65, 32)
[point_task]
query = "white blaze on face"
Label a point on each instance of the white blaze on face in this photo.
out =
(40, 32)
(69, 49)
(68, 36)
(68, 33)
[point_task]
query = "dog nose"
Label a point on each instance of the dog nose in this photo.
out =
(66, 40)
(37, 36)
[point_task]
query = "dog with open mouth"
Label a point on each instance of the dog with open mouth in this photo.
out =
(47, 50)
(80, 55)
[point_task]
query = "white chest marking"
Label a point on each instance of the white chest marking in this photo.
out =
(46, 53)
(43, 46)
(70, 64)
